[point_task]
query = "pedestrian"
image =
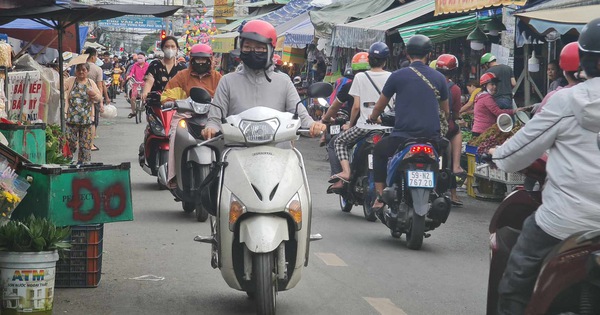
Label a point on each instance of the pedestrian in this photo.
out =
(555, 76)
(474, 90)
(504, 73)
(95, 74)
(81, 94)
(138, 72)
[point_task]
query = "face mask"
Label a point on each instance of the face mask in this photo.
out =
(170, 53)
(141, 60)
(255, 60)
(99, 63)
(201, 68)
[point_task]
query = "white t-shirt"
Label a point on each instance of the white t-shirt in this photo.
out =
(363, 88)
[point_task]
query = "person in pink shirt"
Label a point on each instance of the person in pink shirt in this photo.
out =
(138, 71)
(486, 109)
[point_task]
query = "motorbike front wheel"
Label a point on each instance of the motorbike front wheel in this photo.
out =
(416, 232)
(345, 205)
(263, 265)
(201, 213)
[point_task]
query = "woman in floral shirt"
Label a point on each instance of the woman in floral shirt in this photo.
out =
(81, 93)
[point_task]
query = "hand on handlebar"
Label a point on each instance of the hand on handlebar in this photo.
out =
(208, 133)
(317, 128)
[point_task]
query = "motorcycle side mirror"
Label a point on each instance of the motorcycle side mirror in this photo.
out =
(504, 122)
(316, 90)
(322, 102)
(200, 95)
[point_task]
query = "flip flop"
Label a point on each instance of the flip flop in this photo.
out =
(95, 148)
(337, 190)
(336, 178)
(457, 203)
(462, 175)
(131, 115)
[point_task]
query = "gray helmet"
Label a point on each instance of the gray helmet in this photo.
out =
(418, 45)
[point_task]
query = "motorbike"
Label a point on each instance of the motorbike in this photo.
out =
(261, 234)
(335, 127)
(569, 280)
(417, 181)
(108, 83)
(359, 190)
(154, 150)
(192, 159)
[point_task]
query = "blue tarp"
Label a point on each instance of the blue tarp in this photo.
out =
(300, 35)
(27, 30)
(289, 11)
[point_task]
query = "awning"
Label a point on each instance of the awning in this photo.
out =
(223, 43)
(361, 34)
(233, 26)
(341, 12)
(443, 30)
(261, 3)
(562, 16)
(300, 35)
(282, 28)
(453, 6)
(31, 31)
(288, 12)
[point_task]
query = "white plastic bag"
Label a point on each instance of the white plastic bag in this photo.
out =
(110, 111)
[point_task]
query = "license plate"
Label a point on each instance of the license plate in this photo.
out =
(334, 129)
(370, 161)
(420, 179)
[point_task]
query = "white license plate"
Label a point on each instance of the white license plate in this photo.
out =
(334, 129)
(420, 179)
(370, 161)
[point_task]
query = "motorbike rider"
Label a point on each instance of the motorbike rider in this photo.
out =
(447, 64)
(138, 71)
(568, 129)
(342, 99)
(257, 84)
(199, 73)
(278, 63)
(366, 88)
(421, 92)
(507, 80)
(162, 70)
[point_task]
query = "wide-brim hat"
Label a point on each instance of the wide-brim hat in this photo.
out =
(78, 60)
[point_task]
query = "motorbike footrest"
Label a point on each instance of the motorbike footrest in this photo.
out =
(206, 239)
(316, 237)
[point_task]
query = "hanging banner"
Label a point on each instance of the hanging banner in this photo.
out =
(455, 6)
(24, 96)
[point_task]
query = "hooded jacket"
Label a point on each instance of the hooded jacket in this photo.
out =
(239, 91)
(568, 128)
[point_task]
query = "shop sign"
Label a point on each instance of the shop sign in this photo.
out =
(455, 6)
(223, 45)
(24, 96)
(149, 23)
(223, 11)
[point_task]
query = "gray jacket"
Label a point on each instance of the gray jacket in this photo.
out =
(568, 128)
(239, 91)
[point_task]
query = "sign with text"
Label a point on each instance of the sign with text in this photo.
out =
(224, 11)
(24, 95)
(455, 6)
(149, 23)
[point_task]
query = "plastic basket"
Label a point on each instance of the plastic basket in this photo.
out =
(81, 267)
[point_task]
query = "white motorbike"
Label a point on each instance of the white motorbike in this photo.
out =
(262, 229)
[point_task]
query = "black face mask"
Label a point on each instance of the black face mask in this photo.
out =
(201, 68)
(255, 60)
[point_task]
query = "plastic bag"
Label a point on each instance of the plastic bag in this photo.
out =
(110, 111)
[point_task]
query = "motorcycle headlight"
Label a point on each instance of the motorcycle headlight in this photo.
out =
(259, 131)
(236, 209)
(294, 208)
(156, 126)
(200, 108)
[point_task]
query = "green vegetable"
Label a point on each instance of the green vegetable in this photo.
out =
(33, 235)
(55, 140)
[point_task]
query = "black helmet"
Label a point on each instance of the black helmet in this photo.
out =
(348, 73)
(379, 50)
(418, 45)
(589, 48)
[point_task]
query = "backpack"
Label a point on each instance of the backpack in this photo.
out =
(338, 87)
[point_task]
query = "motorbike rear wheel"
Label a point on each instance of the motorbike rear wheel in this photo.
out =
(263, 265)
(416, 231)
(369, 198)
(345, 205)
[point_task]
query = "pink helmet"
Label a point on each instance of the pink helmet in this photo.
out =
(201, 50)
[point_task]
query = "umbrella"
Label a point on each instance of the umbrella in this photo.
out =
(63, 14)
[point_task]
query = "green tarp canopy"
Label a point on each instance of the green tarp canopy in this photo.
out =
(327, 18)
(443, 30)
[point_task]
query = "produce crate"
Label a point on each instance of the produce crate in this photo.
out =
(27, 140)
(471, 149)
(81, 267)
(484, 171)
(77, 194)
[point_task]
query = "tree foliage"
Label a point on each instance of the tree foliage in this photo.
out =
(148, 42)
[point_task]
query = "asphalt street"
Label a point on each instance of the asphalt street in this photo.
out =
(358, 268)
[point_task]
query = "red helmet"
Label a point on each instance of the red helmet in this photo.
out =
(569, 57)
(260, 31)
(446, 62)
(487, 78)
(277, 60)
(201, 50)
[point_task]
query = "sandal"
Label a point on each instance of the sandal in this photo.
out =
(131, 115)
(457, 203)
(336, 178)
(95, 148)
(336, 190)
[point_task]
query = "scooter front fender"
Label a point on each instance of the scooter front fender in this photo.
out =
(263, 233)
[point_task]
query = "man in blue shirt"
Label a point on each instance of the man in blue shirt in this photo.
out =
(421, 93)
